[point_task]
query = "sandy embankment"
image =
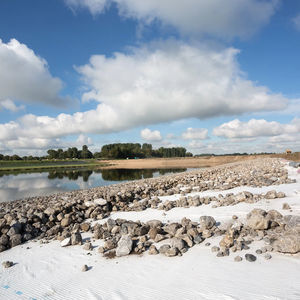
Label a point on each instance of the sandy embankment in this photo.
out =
(186, 162)
(48, 271)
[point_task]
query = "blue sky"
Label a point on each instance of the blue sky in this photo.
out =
(213, 79)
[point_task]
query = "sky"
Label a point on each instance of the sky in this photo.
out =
(212, 76)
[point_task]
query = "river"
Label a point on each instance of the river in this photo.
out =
(23, 185)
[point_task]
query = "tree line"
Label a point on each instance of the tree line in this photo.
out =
(110, 151)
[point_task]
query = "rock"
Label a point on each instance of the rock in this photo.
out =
(158, 238)
(154, 223)
(4, 239)
(280, 195)
(65, 222)
(171, 228)
(287, 243)
(207, 222)
(153, 250)
(15, 240)
(256, 219)
(76, 238)
(7, 264)
(271, 195)
(223, 252)
(100, 201)
(110, 244)
(215, 249)
(124, 246)
(173, 251)
(234, 217)
(85, 227)
(66, 242)
(84, 268)
(198, 239)
(285, 206)
(177, 243)
(164, 248)
(238, 258)
(88, 246)
(250, 257)
(152, 233)
(207, 244)
(268, 256)
(258, 251)
(226, 242)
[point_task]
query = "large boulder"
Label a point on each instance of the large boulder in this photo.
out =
(287, 243)
(257, 219)
(124, 246)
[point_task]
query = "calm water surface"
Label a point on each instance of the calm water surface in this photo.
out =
(18, 186)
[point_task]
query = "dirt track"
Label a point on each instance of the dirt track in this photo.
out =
(165, 163)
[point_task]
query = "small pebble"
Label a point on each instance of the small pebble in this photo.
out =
(258, 251)
(84, 268)
(250, 257)
(7, 264)
(238, 258)
(268, 256)
(207, 244)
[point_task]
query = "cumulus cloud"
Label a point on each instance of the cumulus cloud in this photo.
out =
(148, 135)
(10, 105)
(24, 76)
(256, 128)
(195, 134)
(157, 83)
(213, 17)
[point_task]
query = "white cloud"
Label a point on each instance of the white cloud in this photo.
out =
(163, 82)
(94, 6)
(24, 76)
(296, 22)
(255, 128)
(195, 134)
(10, 105)
(213, 17)
(149, 135)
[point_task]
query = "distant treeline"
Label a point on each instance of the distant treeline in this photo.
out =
(111, 151)
(131, 150)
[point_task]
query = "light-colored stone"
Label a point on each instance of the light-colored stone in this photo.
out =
(124, 246)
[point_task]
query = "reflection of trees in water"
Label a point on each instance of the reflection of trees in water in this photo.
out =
(70, 174)
(134, 174)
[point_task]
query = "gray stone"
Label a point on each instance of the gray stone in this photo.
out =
(173, 251)
(287, 243)
(215, 249)
(268, 256)
(164, 248)
(250, 257)
(207, 222)
(124, 246)
(256, 219)
(285, 206)
(177, 243)
(15, 240)
(84, 268)
(153, 250)
(238, 258)
(76, 238)
(7, 264)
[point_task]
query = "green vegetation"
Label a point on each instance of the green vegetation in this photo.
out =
(130, 150)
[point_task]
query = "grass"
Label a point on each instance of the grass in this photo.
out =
(46, 164)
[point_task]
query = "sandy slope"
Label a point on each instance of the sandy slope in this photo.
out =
(186, 162)
(47, 271)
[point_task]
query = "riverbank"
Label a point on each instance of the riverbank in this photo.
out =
(25, 166)
(224, 194)
(178, 162)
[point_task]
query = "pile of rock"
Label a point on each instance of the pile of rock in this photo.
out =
(56, 215)
(122, 237)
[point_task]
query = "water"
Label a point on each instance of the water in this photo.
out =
(18, 186)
